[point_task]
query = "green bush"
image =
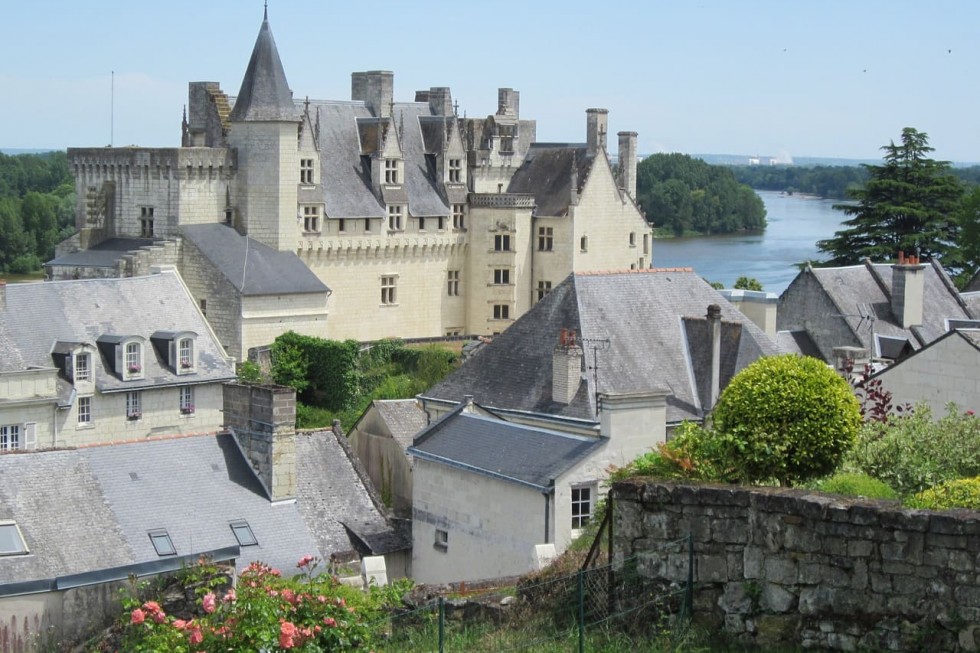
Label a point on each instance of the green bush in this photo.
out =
(312, 417)
(249, 372)
(325, 372)
(961, 493)
(855, 485)
(785, 418)
(915, 452)
(25, 264)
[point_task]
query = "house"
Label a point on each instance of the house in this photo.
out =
(106, 360)
(380, 438)
(944, 371)
(258, 491)
(608, 333)
(889, 310)
(490, 495)
(420, 223)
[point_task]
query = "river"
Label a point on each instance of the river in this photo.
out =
(796, 223)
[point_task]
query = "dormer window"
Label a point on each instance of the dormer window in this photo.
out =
(133, 360)
(306, 171)
(83, 367)
(391, 171)
(178, 349)
(185, 353)
(455, 171)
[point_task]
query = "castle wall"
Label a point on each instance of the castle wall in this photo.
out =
(222, 303)
(266, 317)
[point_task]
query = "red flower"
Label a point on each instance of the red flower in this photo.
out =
(209, 602)
(330, 621)
(152, 606)
(137, 616)
(196, 637)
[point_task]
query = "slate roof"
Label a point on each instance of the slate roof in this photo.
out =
(97, 504)
(266, 271)
(403, 417)
(550, 172)
(264, 94)
(511, 452)
(797, 341)
(39, 315)
(103, 255)
(633, 321)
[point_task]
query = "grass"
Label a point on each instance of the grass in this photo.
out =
(23, 278)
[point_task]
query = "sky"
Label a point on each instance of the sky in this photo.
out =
(786, 78)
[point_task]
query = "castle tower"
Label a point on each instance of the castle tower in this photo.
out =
(263, 129)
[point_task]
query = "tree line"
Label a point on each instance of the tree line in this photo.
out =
(37, 209)
(683, 195)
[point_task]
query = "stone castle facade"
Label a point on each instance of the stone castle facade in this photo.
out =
(408, 220)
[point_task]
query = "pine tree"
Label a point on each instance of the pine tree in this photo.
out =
(907, 205)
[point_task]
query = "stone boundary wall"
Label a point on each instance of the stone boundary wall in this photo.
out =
(779, 566)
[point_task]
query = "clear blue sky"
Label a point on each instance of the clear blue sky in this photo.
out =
(816, 78)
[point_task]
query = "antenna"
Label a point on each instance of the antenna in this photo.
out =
(597, 345)
(112, 108)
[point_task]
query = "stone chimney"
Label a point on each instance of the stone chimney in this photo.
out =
(263, 420)
(566, 368)
(3, 294)
(441, 101)
(908, 287)
(850, 361)
(508, 102)
(627, 162)
(757, 305)
(634, 421)
(596, 127)
(376, 89)
(714, 327)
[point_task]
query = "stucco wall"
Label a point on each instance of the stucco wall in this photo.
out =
(779, 566)
(947, 371)
(387, 464)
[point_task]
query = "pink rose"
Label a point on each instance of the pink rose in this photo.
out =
(305, 560)
(137, 617)
(209, 602)
(230, 597)
(330, 621)
(151, 606)
(196, 637)
(179, 624)
(159, 617)
(287, 631)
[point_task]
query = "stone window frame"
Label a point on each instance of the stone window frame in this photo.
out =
(546, 239)
(85, 413)
(501, 311)
(307, 167)
(632, 239)
(83, 366)
(132, 360)
(441, 542)
(395, 217)
(392, 175)
(501, 243)
(311, 219)
(583, 244)
(389, 289)
(185, 362)
(452, 278)
(459, 217)
(146, 221)
(455, 171)
(501, 277)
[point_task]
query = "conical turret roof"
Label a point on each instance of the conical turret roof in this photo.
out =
(264, 95)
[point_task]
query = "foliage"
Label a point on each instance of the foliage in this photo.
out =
(959, 493)
(876, 400)
(966, 258)
(686, 195)
(324, 372)
(290, 366)
(915, 452)
(267, 612)
(906, 205)
(854, 484)
(249, 372)
(692, 454)
(787, 418)
(312, 417)
(747, 283)
(822, 181)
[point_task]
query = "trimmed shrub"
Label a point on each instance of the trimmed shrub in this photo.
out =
(853, 484)
(785, 418)
(961, 493)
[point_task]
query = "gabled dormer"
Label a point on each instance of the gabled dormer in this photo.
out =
(75, 362)
(124, 356)
(178, 349)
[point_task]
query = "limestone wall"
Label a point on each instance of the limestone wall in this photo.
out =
(778, 566)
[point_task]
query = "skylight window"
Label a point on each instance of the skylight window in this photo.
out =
(243, 533)
(11, 541)
(162, 543)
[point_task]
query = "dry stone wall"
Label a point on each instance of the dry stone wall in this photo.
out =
(777, 566)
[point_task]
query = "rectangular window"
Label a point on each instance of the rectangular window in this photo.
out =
(501, 243)
(544, 287)
(134, 405)
(455, 171)
(341, 225)
(187, 400)
(84, 410)
(311, 219)
(243, 533)
(83, 368)
(391, 171)
(367, 225)
(306, 171)
(442, 223)
(133, 362)
(395, 217)
(584, 243)
(646, 243)
(459, 211)
(11, 539)
(185, 353)
(581, 506)
(632, 239)
(546, 239)
(421, 224)
(162, 543)
(501, 312)
(204, 307)
(442, 540)
(501, 276)
(453, 283)
(10, 437)
(388, 288)
(146, 221)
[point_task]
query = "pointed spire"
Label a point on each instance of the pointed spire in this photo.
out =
(264, 95)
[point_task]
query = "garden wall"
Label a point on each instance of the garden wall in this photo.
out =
(777, 566)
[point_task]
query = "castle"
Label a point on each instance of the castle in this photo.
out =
(364, 219)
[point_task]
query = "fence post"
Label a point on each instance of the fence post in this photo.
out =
(442, 624)
(689, 594)
(581, 611)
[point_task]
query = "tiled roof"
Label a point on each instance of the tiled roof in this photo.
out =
(264, 94)
(403, 417)
(551, 171)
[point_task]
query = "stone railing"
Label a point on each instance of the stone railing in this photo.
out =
(776, 566)
(502, 200)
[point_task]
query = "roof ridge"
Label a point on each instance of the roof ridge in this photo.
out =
(152, 438)
(595, 273)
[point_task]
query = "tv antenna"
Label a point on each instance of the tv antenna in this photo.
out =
(597, 345)
(112, 107)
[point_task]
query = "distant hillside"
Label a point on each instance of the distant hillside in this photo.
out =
(16, 150)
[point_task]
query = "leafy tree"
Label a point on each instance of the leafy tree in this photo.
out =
(747, 283)
(787, 418)
(906, 205)
(965, 259)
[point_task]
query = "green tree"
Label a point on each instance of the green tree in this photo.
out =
(788, 418)
(964, 261)
(747, 283)
(907, 205)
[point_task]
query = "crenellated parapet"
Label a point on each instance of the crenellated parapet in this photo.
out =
(383, 246)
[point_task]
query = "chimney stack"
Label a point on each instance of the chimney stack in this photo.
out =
(714, 327)
(566, 363)
(440, 100)
(263, 420)
(376, 89)
(627, 162)
(849, 362)
(908, 288)
(508, 102)
(596, 127)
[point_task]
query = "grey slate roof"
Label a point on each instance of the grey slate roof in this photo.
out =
(640, 314)
(403, 417)
(551, 171)
(512, 452)
(103, 255)
(798, 342)
(266, 271)
(39, 315)
(264, 94)
(95, 505)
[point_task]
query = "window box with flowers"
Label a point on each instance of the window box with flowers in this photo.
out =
(133, 416)
(134, 369)
(187, 410)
